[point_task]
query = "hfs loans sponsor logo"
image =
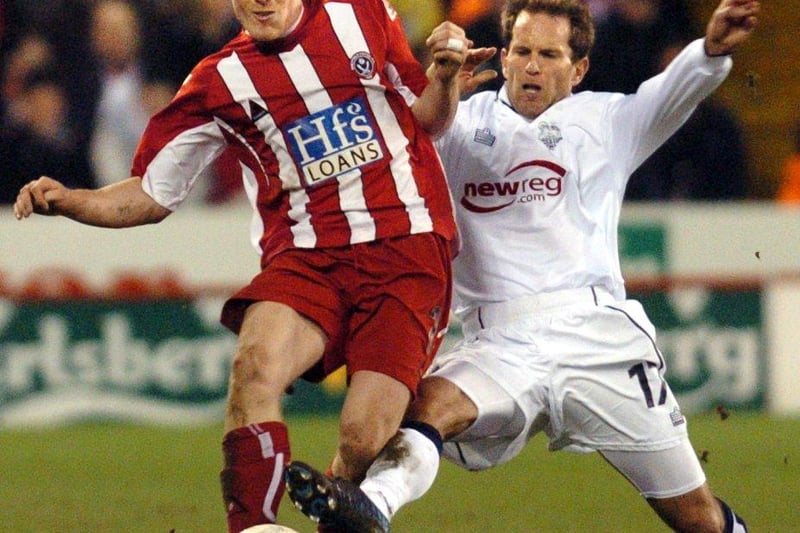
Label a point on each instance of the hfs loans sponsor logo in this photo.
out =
(530, 182)
(334, 141)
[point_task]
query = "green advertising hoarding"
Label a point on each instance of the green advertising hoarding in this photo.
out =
(712, 339)
(164, 361)
(167, 361)
(714, 343)
(643, 249)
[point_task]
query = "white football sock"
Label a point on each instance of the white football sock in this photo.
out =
(403, 472)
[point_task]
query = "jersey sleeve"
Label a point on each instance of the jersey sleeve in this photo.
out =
(643, 121)
(179, 143)
(406, 73)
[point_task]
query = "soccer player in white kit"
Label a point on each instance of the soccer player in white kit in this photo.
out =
(551, 344)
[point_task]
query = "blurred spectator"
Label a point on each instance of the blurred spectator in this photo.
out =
(599, 9)
(789, 187)
(123, 109)
(179, 33)
(35, 138)
(3, 27)
(31, 52)
(10, 29)
(629, 42)
(704, 160)
(120, 61)
(216, 23)
(65, 26)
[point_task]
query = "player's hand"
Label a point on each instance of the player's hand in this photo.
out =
(468, 78)
(448, 45)
(730, 25)
(39, 196)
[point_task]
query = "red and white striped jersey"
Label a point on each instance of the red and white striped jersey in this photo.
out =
(320, 120)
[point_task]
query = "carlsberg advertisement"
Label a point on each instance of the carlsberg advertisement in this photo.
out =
(161, 362)
(167, 361)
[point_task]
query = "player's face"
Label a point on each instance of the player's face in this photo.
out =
(267, 20)
(538, 63)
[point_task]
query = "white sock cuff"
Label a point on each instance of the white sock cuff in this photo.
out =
(403, 472)
(420, 443)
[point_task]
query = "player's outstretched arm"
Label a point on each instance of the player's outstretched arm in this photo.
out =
(119, 205)
(436, 106)
(730, 25)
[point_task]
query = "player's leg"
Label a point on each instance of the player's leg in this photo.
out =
(698, 511)
(288, 318)
(674, 485)
(371, 413)
(636, 424)
(276, 345)
(442, 404)
(401, 299)
(465, 398)
(403, 471)
(407, 467)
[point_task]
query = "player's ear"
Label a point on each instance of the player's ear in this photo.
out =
(503, 60)
(580, 68)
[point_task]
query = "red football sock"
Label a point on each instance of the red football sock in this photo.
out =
(252, 477)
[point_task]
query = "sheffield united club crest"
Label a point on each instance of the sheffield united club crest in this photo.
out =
(363, 64)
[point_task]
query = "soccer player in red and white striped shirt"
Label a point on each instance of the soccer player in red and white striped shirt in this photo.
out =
(331, 118)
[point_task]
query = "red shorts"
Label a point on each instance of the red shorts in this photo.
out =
(384, 305)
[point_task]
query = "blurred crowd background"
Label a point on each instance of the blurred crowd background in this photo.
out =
(79, 79)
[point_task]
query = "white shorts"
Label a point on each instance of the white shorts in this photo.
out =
(577, 365)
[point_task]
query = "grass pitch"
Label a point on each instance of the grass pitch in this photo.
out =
(117, 478)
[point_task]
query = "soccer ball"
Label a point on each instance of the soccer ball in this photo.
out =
(269, 528)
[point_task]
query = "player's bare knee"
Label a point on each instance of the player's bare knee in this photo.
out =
(359, 442)
(254, 366)
(444, 406)
(357, 449)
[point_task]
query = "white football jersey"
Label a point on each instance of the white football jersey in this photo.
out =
(538, 202)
